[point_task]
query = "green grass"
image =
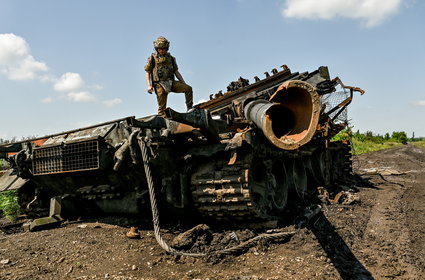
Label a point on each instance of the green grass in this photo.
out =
(9, 206)
(362, 147)
(369, 142)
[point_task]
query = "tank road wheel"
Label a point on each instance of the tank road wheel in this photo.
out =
(317, 164)
(268, 185)
(280, 197)
(337, 165)
(326, 162)
(297, 176)
(258, 185)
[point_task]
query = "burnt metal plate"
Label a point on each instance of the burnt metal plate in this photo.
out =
(10, 181)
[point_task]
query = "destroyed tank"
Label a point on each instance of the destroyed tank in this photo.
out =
(236, 157)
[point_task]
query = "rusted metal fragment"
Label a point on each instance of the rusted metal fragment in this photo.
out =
(233, 158)
(338, 80)
(43, 223)
(236, 141)
(133, 233)
(343, 197)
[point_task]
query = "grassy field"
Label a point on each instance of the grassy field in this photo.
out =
(420, 144)
(362, 147)
(369, 142)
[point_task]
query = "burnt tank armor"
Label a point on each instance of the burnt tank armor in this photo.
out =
(234, 157)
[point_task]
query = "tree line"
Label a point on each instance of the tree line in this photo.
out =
(369, 136)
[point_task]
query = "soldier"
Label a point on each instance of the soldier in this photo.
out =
(161, 70)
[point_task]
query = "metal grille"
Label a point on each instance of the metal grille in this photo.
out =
(71, 157)
(334, 99)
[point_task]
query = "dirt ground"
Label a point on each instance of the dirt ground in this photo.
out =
(381, 236)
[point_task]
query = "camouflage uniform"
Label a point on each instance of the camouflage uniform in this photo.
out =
(162, 69)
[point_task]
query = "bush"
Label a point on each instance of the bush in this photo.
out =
(3, 164)
(9, 206)
(342, 135)
(399, 137)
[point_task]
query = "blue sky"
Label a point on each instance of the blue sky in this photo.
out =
(68, 64)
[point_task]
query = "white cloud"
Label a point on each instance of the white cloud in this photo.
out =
(69, 82)
(371, 12)
(112, 102)
(419, 103)
(16, 61)
(47, 100)
(81, 96)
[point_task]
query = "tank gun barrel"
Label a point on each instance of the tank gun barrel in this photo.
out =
(289, 118)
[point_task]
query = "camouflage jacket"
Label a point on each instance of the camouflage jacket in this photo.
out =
(162, 68)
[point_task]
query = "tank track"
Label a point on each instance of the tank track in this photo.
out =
(225, 192)
(250, 189)
(221, 191)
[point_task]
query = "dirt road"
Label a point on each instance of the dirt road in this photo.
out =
(380, 237)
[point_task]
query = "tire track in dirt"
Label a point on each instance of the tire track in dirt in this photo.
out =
(394, 235)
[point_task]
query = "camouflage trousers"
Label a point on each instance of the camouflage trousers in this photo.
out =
(177, 87)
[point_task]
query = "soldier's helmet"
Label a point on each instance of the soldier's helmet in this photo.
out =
(161, 43)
